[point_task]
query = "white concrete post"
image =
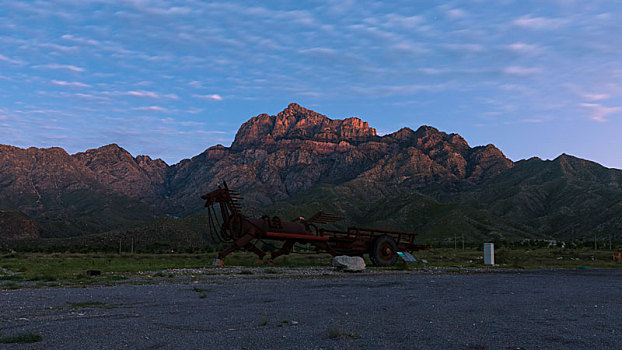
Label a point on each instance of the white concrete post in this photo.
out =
(489, 253)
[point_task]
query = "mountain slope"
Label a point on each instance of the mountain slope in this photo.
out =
(274, 157)
(298, 161)
(63, 196)
(381, 204)
(566, 197)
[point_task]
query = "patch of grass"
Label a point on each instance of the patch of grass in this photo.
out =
(43, 277)
(10, 285)
(203, 296)
(66, 266)
(115, 278)
(46, 267)
(21, 338)
(200, 290)
(264, 322)
(336, 333)
(11, 278)
(246, 272)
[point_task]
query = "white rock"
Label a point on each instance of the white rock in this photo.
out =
(349, 263)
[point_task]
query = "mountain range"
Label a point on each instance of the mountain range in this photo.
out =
(299, 161)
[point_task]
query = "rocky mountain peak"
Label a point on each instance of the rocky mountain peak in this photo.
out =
(298, 123)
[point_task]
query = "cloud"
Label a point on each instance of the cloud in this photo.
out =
(599, 112)
(150, 94)
(10, 60)
(69, 83)
(396, 90)
(81, 40)
(214, 97)
(191, 123)
(456, 13)
(531, 120)
(143, 94)
(539, 22)
(516, 70)
(595, 97)
(466, 47)
(62, 66)
(151, 108)
(524, 49)
(320, 51)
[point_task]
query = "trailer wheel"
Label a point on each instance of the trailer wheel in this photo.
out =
(383, 251)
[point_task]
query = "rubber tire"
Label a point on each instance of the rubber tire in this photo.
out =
(383, 251)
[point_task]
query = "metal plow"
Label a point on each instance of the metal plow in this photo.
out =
(243, 233)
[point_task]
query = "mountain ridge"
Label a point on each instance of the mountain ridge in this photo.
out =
(275, 158)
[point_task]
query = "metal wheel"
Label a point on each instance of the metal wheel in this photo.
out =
(383, 251)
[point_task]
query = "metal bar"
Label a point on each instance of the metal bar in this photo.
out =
(381, 231)
(296, 236)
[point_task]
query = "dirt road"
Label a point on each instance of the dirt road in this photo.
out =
(553, 309)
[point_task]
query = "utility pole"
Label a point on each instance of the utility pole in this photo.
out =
(610, 242)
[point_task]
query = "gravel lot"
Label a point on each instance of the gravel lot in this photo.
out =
(542, 309)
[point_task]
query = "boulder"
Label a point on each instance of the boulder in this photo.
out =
(349, 263)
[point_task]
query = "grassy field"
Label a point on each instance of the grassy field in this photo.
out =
(53, 267)
(522, 258)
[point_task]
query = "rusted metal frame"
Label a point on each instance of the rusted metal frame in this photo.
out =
(285, 249)
(295, 236)
(380, 230)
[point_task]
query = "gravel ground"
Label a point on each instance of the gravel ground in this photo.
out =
(541, 309)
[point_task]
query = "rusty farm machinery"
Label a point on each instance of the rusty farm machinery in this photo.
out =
(243, 232)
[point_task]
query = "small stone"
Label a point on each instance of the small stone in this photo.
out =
(349, 263)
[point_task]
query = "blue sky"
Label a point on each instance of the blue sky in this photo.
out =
(171, 78)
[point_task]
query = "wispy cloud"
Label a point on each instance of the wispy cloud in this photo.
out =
(10, 60)
(456, 13)
(151, 108)
(61, 66)
(81, 40)
(517, 70)
(524, 49)
(539, 22)
(599, 112)
(595, 97)
(150, 94)
(319, 51)
(213, 97)
(69, 83)
(143, 94)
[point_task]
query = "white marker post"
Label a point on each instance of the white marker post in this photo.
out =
(489, 254)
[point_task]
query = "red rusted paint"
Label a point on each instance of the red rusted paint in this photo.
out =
(243, 232)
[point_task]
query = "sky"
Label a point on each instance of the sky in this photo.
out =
(171, 78)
